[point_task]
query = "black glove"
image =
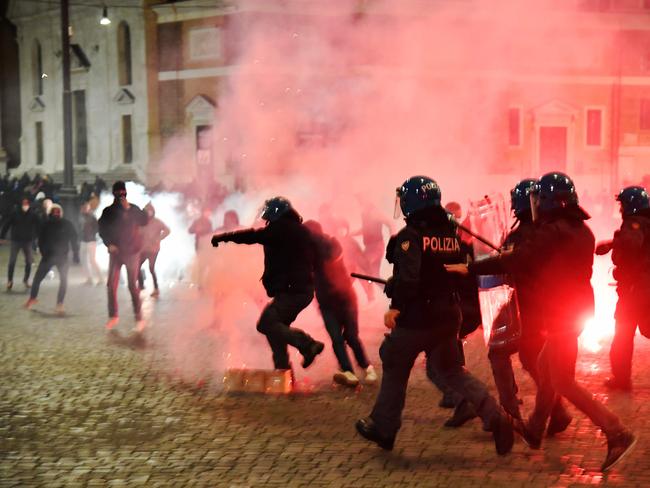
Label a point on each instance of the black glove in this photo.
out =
(388, 288)
(216, 239)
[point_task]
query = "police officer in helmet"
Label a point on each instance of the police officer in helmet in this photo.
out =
(424, 316)
(531, 340)
(559, 255)
(631, 257)
(287, 279)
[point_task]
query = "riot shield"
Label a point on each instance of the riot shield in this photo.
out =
(498, 299)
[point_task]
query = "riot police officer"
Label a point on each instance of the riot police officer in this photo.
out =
(531, 340)
(424, 316)
(559, 256)
(287, 279)
(631, 256)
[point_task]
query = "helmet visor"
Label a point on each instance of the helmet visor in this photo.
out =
(534, 205)
(397, 211)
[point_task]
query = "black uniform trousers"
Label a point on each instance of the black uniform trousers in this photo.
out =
(398, 353)
(631, 311)
(275, 323)
(556, 365)
(529, 347)
(44, 267)
(342, 323)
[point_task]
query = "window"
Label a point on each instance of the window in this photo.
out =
(127, 139)
(124, 54)
(37, 69)
(594, 127)
(645, 114)
(39, 143)
(514, 127)
(79, 128)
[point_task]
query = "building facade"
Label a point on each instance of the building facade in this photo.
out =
(156, 74)
(110, 116)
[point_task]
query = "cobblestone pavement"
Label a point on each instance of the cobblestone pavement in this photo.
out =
(80, 409)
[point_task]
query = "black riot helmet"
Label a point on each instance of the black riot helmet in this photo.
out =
(520, 197)
(633, 199)
(275, 207)
(417, 193)
(553, 191)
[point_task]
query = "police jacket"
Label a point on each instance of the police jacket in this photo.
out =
(558, 257)
(23, 225)
(89, 227)
(524, 282)
(420, 288)
(122, 227)
(631, 251)
(331, 278)
(288, 254)
(57, 238)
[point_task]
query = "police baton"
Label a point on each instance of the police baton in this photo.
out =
(369, 278)
(473, 234)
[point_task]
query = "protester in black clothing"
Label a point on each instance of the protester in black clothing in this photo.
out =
(24, 228)
(424, 316)
(338, 306)
(120, 227)
(559, 256)
(55, 241)
(287, 279)
(631, 257)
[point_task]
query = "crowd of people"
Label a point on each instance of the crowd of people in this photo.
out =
(547, 258)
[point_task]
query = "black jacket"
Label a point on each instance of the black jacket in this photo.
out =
(558, 256)
(331, 277)
(23, 225)
(631, 252)
(420, 287)
(288, 255)
(122, 227)
(57, 238)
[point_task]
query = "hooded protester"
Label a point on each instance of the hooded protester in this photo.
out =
(152, 234)
(56, 239)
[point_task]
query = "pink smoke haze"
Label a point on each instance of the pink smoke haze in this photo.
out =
(326, 104)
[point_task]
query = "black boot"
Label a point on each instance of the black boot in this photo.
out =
(367, 429)
(464, 412)
(617, 447)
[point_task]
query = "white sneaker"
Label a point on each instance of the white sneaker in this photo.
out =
(371, 374)
(140, 325)
(346, 378)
